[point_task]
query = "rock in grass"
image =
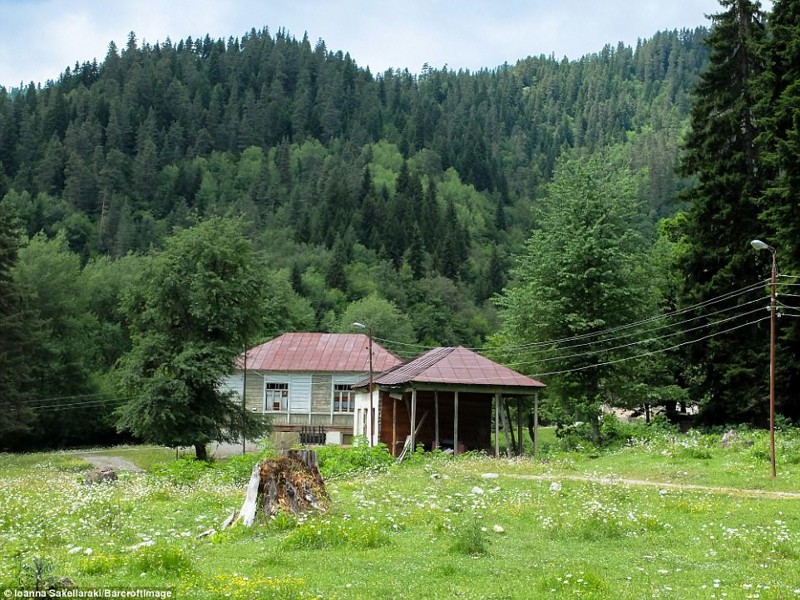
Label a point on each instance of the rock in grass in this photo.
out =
(101, 475)
(555, 487)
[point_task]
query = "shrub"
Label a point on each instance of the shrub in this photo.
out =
(360, 457)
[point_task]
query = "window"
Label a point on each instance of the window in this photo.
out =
(276, 396)
(343, 401)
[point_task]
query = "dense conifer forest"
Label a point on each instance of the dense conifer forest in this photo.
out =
(406, 198)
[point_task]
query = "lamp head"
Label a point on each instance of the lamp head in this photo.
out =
(359, 325)
(759, 245)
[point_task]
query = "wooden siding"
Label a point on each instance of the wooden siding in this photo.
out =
(321, 392)
(254, 399)
(307, 390)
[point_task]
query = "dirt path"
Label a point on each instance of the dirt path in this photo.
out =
(115, 462)
(662, 485)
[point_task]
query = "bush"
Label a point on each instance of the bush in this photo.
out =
(360, 457)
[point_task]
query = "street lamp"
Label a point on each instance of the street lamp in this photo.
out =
(371, 410)
(773, 305)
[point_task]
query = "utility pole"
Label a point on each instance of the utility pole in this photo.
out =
(773, 309)
(244, 403)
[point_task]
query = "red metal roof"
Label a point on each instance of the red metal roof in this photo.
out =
(334, 352)
(456, 366)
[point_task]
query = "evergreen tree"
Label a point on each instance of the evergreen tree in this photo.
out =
(15, 354)
(721, 154)
(780, 137)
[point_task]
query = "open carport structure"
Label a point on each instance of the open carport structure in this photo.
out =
(441, 399)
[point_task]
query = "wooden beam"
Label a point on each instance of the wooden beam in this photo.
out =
(436, 415)
(513, 446)
(455, 423)
(535, 424)
(519, 427)
(497, 425)
(413, 419)
(421, 421)
(505, 429)
(394, 426)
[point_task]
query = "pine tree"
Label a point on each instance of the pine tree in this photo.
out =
(781, 139)
(721, 153)
(15, 416)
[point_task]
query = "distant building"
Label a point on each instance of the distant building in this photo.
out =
(304, 380)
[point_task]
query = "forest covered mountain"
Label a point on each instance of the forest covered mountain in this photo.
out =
(438, 171)
(405, 195)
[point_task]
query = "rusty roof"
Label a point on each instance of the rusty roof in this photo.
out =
(333, 352)
(455, 366)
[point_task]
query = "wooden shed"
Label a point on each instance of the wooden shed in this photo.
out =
(445, 398)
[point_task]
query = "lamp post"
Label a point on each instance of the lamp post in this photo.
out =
(371, 410)
(244, 402)
(773, 306)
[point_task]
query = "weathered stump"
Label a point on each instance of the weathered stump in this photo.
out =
(290, 483)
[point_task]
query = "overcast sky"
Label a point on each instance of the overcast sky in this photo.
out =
(40, 38)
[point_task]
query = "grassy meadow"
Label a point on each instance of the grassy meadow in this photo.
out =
(562, 526)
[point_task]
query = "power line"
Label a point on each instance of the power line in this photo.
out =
(561, 341)
(661, 327)
(644, 341)
(652, 352)
(99, 403)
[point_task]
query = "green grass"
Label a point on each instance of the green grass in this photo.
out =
(424, 530)
(143, 457)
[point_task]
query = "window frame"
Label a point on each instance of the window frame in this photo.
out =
(337, 400)
(270, 389)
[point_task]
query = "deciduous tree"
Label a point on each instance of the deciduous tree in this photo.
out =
(584, 271)
(194, 309)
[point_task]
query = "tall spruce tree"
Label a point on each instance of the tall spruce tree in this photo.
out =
(15, 416)
(721, 154)
(780, 136)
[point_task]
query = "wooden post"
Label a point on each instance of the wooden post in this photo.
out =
(519, 427)
(413, 418)
(455, 423)
(497, 425)
(394, 426)
(513, 446)
(535, 424)
(505, 429)
(436, 416)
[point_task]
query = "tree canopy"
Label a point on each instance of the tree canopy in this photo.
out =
(193, 309)
(584, 274)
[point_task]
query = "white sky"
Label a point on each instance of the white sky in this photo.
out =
(40, 38)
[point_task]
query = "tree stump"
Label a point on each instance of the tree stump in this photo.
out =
(290, 483)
